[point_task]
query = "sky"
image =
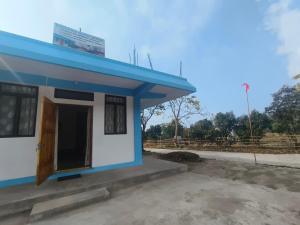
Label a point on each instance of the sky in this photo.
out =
(221, 43)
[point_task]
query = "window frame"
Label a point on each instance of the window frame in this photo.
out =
(115, 117)
(18, 109)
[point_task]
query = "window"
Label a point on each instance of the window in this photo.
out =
(115, 115)
(18, 105)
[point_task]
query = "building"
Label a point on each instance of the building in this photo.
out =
(65, 112)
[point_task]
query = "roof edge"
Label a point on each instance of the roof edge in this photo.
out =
(173, 78)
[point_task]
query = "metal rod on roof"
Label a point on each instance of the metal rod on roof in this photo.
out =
(137, 58)
(180, 72)
(149, 59)
(129, 58)
(134, 55)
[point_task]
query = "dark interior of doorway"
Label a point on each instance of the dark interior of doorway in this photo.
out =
(72, 136)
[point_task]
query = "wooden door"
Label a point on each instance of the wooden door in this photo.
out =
(46, 146)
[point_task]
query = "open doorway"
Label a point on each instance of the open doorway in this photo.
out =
(74, 137)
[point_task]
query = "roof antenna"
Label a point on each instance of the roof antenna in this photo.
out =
(137, 58)
(180, 72)
(129, 58)
(79, 29)
(150, 63)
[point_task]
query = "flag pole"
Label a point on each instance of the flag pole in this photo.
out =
(250, 124)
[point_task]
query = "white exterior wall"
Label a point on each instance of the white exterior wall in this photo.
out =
(18, 155)
(111, 149)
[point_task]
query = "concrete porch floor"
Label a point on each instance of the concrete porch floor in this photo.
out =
(22, 197)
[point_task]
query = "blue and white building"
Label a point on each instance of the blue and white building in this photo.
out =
(65, 112)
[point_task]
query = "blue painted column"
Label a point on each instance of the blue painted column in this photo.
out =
(138, 154)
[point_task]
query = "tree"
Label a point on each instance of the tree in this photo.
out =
(182, 109)
(154, 132)
(261, 123)
(242, 128)
(285, 111)
(147, 114)
(225, 122)
(203, 129)
(168, 130)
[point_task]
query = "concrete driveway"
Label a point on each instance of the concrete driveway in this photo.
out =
(213, 192)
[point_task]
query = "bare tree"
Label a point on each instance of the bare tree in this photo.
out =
(147, 114)
(182, 109)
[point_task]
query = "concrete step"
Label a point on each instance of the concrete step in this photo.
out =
(21, 205)
(13, 211)
(114, 182)
(52, 207)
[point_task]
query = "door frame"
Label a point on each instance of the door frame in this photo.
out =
(90, 138)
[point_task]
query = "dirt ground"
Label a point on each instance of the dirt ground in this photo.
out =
(269, 176)
(212, 192)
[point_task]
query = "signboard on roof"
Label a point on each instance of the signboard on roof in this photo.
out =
(71, 38)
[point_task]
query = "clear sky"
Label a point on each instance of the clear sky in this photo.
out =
(222, 43)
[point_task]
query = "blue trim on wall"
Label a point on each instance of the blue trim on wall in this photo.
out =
(31, 179)
(95, 169)
(138, 154)
(15, 45)
(17, 181)
(89, 87)
(24, 78)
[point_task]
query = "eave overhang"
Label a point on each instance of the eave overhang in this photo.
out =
(26, 60)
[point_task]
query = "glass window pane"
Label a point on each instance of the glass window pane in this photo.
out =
(17, 89)
(115, 114)
(7, 114)
(120, 119)
(109, 119)
(115, 99)
(17, 110)
(27, 117)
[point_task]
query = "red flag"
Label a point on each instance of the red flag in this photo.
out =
(247, 87)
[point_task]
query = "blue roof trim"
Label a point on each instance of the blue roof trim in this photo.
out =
(11, 44)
